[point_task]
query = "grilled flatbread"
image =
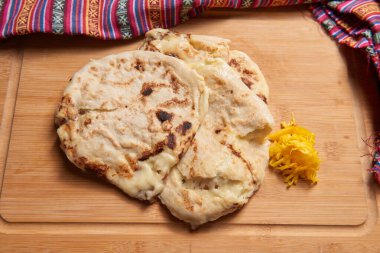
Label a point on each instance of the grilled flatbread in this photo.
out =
(130, 117)
(196, 48)
(226, 161)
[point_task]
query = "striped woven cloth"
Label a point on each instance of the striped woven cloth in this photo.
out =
(352, 22)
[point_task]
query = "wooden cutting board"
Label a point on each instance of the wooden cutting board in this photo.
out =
(307, 74)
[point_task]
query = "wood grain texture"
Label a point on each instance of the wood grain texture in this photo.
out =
(57, 192)
(41, 186)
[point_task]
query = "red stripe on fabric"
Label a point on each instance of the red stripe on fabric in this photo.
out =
(103, 18)
(139, 10)
(49, 17)
(11, 21)
(146, 17)
(115, 26)
(131, 17)
(76, 18)
(17, 12)
(67, 17)
(84, 19)
(7, 22)
(178, 11)
(168, 13)
(39, 14)
(31, 17)
(4, 19)
(107, 19)
(100, 18)
(163, 13)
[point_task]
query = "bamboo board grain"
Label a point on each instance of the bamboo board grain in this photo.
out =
(307, 75)
(6, 55)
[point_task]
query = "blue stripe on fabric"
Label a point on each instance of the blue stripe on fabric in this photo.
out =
(110, 30)
(104, 19)
(43, 11)
(138, 24)
(173, 12)
(79, 28)
(8, 25)
(72, 16)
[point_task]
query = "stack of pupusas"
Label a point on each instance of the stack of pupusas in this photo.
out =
(183, 119)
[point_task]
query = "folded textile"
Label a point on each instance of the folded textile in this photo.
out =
(352, 22)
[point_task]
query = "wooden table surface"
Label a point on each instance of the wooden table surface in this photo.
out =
(48, 236)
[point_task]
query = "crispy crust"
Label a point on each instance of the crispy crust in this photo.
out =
(219, 172)
(111, 120)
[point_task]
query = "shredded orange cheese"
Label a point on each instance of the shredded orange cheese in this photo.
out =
(292, 152)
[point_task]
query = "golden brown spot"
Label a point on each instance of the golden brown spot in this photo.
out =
(181, 154)
(173, 55)
(195, 147)
(175, 84)
(175, 102)
(139, 65)
(166, 125)
(124, 171)
(97, 168)
(87, 122)
(132, 163)
(247, 82)
(247, 72)
(219, 81)
(186, 200)
(234, 63)
(82, 111)
(238, 154)
(60, 121)
(262, 97)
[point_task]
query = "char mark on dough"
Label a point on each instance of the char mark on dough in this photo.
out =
(146, 90)
(87, 122)
(173, 55)
(82, 111)
(163, 116)
(234, 63)
(139, 65)
(262, 97)
(186, 125)
(158, 148)
(176, 102)
(247, 82)
(238, 155)
(171, 141)
(99, 169)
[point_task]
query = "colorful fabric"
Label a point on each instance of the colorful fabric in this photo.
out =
(355, 23)
(352, 22)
